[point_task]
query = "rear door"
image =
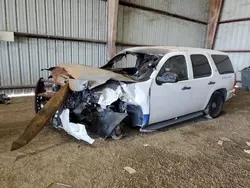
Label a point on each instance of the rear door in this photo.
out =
(202, 80)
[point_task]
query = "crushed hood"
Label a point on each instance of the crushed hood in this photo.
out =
(81, 75)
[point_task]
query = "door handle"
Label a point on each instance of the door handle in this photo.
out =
(211, 83)
(186, 88)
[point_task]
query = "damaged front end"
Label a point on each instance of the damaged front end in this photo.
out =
(84, 100)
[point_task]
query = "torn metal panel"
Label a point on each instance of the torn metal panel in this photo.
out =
(106, 121)
(75, 129)
(95, 76)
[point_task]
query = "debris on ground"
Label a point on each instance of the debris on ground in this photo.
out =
(146, 145)
(247, 151)
(4, 99)
(248, 144)
(59, 185)
(225, 139)
(129, 170)
(220, 142)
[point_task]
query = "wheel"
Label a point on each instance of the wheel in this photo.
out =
(215, 105)
(117, 133)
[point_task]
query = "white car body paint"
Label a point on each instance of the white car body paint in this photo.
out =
(169, 101)
(136, 94)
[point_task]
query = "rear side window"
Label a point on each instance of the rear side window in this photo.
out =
(223, 64)
(201, 67)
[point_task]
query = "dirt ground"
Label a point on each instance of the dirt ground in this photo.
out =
(184, 155)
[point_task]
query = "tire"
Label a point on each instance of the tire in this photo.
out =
(117, 133)
(215, 105)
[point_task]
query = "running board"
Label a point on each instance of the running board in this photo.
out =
(172, 121)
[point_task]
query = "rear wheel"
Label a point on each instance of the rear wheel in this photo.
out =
(215, 105)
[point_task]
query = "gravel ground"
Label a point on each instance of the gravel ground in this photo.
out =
(184, 155)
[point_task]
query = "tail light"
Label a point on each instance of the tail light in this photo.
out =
(234, 86)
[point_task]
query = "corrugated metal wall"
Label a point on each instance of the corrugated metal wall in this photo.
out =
(235, 36)
(138, 26)
(22, 60)
(197, 9)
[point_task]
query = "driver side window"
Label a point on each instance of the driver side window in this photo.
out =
(176, 64)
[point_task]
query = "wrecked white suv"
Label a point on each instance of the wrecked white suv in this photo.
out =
(140, 87)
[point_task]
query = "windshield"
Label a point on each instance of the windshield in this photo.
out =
(137, 66)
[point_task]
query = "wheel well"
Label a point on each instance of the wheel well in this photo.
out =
(223, 92)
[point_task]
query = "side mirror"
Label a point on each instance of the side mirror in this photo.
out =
(167, 77)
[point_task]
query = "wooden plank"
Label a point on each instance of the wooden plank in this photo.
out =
(112, 27)
(214, 16)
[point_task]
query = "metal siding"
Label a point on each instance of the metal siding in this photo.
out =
(103, 21)
(5, 64)
(66, 18)
(59, 52)
(34, 60)
(67, 51)
(144, 27)
(74, 19)
(88, 59)
(31, 16)
(196, 9)
(82, 18)
(71, 18)
(89, 19)
(21, 15)
(11, 15)
(58, 17)
(2, 15)
(50, 16)
(95, 20)
(75, 53)
(15, 73)
(41, 17)
(24, 61)
(120, 23)
(233, 36)
(235, 9)
(51, 52)
(82, 53)
(42, 56)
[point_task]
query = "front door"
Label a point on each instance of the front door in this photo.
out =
(171, 100)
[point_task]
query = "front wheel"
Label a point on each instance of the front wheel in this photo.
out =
(215, 105)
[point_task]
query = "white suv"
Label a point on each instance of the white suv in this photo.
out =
(184, 83)
(144, 85)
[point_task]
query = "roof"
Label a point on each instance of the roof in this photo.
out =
(162, 50)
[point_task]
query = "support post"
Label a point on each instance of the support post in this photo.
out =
(112, 27)
(214, 16)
